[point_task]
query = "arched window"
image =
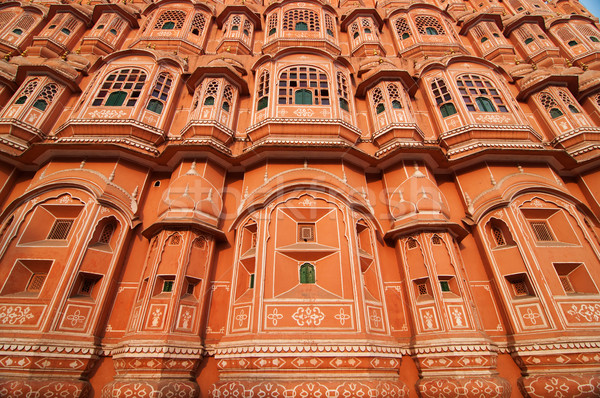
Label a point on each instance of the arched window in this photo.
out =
(46, 96)
(550, 104)
(303, 83)
(227, 98)
(377, 98)
(588, 31)
(307, 273)
(428, 25)
(198, 24)
(273, 24)
(121, 87)
(170, 19)
(301, 19)
(476, 90)
(329, 25)
(160, 92)
(442, 97)
(394, 95)
(211, 92)
(568, 101)
(402, 28)
(29, 88)
(107, 233)
(498, 236)
(263, 91)
(342, 88)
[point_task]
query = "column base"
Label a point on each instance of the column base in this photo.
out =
(282, 388)
(561, 385)
(47, 388)
(463, 387)
(151, 388)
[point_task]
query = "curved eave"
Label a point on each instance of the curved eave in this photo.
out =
(404, 10)
(568, 19)
(44, 70)
(159, 4)
(301, 50)
(388, 75)
(158, 56)
(449, 60)
(80, 13)
(569, 81)
(357, 12)
(279, 4)
(157, 226)
(218, 71)
(239, 9)
(521, 19)
(116, 8)
(468, 24)
(457, 231)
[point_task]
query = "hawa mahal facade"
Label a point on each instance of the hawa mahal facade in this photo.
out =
(392, 198)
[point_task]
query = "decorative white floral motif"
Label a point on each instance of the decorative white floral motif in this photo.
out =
(303, 112)
(457, 317)
(107, 114)
(75, 318)
(64, 199)
(531, 316)
(428, 317)
(14, 314)
(375, 318)
(308, 316)
(241, 317)
(493, 119)
(156, 317)
(342, 316)
(275, 316)
(186, 319)
(307, 202)
(589, 312)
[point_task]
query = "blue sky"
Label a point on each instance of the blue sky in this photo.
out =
(593, 6)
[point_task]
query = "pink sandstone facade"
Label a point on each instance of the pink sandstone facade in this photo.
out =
(391, 198)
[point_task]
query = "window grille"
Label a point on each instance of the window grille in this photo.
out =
(29, 88)
(412, 243)
(304, 86)
(160, 92)
(107, 233)
(46, 96)
(306, 232)
(25, 22)
(122, 87)
(520, 288)
(6, 17)
(476, 90)
(329, 25)
(394, 95)
(498, 236)
(443, 97)
(198, 24)
(292, 18)
(116, 25)
(565, 34)
(568, 101)
(36, 282)
(342, 86)
(272, 24)
(71, 24)
(589, 31)
(422, 288)
(436, 240)
(175, 239)
(190, 288)
(541, 231)
(227, 98)
(170, 19)
(87, 284)
(566, 284)
(60, 229)
(247, 28)
(402, 28)
(263, 90)
(377, 98)
(550, 104)
(424, 22)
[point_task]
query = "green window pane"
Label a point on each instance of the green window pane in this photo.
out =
(209, 101)
(303, 97)
(307, 273)
(573, 43)
(447, 109)
(301, 26)
(396, 104)
(225, 106)
(21, 100)
(485, 105)
(155, 106)
(344, 105)
(17, 31)
(379, 108)
(431, 31)
(168, 25)
(555, 112)
(116, 99)
(573, 109)
(40, 104)
(262, 103)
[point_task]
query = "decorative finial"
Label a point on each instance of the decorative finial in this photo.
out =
(520, 168)
(305, 163)
(517, 62)
(24, 53)
(135, 192)
(568, 62)
(418, 172)
(246, 193)
(492, 180)
(111, 177)
(584, 67)
(266, 177)
(82, 164)
(534, 66)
